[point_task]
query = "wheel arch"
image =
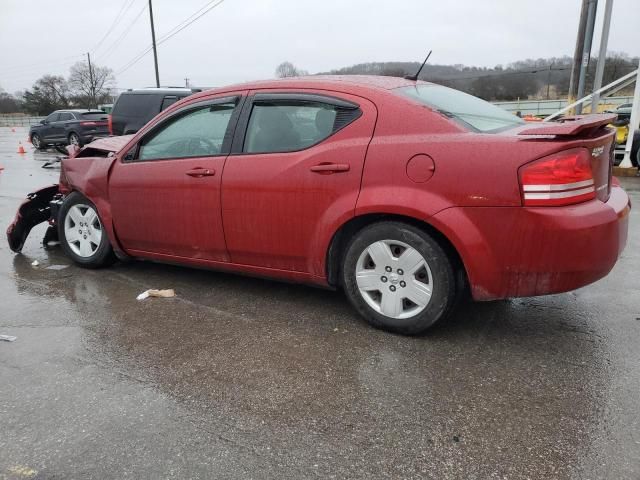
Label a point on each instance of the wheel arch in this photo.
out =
(340, 241)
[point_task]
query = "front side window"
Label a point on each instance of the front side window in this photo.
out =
(64, 116)
(287, 127)
(467, 110)
(52, 118)
(196, 133)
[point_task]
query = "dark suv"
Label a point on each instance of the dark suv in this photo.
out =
(134, 108)
(66, 127)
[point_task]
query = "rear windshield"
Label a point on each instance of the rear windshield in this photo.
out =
(469, 111)
(94, 116)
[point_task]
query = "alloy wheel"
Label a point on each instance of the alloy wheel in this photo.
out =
(74, 139)
(394, 279)
(82, 230)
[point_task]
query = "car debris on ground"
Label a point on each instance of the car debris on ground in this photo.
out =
(156, 293)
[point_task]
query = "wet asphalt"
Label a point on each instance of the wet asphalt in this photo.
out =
(238, 377)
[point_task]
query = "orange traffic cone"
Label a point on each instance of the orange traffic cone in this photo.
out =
(21, 149)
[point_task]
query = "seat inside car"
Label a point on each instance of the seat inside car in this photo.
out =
(272, 131)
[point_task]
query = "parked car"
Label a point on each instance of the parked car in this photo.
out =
(134, 108)
(399, 192)
(69, 127)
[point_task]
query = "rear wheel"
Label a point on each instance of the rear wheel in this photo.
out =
(81, 233)
(74, 139)
(398, 277)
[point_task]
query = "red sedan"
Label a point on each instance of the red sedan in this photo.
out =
(401, 193)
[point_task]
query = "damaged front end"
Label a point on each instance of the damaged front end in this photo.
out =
(40, 206)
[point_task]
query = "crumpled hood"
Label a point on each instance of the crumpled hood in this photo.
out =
(110, 144)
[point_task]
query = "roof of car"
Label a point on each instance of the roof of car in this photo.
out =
(347, 82)
(80, 110)
(155, 91)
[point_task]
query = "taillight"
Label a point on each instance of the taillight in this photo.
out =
(92, 124)
(563, 178)
(110, 123)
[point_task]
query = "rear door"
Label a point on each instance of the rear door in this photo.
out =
(295, 167)
(65, 124)
(165, 192)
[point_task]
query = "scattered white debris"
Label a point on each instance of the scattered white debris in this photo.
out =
(35, 263)
(53, 243)
(57, 267)
(156, 293)
(8, 338)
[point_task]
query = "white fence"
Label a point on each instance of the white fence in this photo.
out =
(547, 107)
(18, 120)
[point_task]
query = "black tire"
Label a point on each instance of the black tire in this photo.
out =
(102, 255)
(37, 142)
(74, 138)
(443, 289)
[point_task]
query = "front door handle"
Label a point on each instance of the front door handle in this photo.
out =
(330, 168)
(201, 172)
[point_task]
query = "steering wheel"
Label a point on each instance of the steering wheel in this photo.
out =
(201, 145)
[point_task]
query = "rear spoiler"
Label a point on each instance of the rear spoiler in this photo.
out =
(569, 126)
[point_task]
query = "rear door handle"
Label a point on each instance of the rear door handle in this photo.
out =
(201, 172)
(330, 168)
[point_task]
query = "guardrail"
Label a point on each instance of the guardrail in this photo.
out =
(19, 120)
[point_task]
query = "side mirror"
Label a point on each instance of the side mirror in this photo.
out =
(43, 122)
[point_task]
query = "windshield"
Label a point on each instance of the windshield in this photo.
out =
(471, 112)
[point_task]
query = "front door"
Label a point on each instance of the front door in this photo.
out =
(298, 165)
(165, 192)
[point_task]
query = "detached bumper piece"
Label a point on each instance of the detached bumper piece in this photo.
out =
(33, 211)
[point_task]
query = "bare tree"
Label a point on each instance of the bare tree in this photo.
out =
(288, 69)
(90, 87)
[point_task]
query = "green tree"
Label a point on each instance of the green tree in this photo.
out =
(49, 93)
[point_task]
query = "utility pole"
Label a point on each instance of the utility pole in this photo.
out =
(586, 51)
(92, 85)
(186, 82)
(153, 40)
(602, 55)
(577, 54)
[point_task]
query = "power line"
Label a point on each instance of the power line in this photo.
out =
(506, 72)
(121, 13)
(175, 30)
(122, 36)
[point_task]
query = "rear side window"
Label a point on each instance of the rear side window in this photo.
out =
(287, 126)
(196, 133)
(94, 116)
(137, 105)
(469, 111)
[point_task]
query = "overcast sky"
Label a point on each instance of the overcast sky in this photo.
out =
(246, 39)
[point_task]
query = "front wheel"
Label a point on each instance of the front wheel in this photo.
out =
(81, 233)
(37, 142)
(398, 277)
